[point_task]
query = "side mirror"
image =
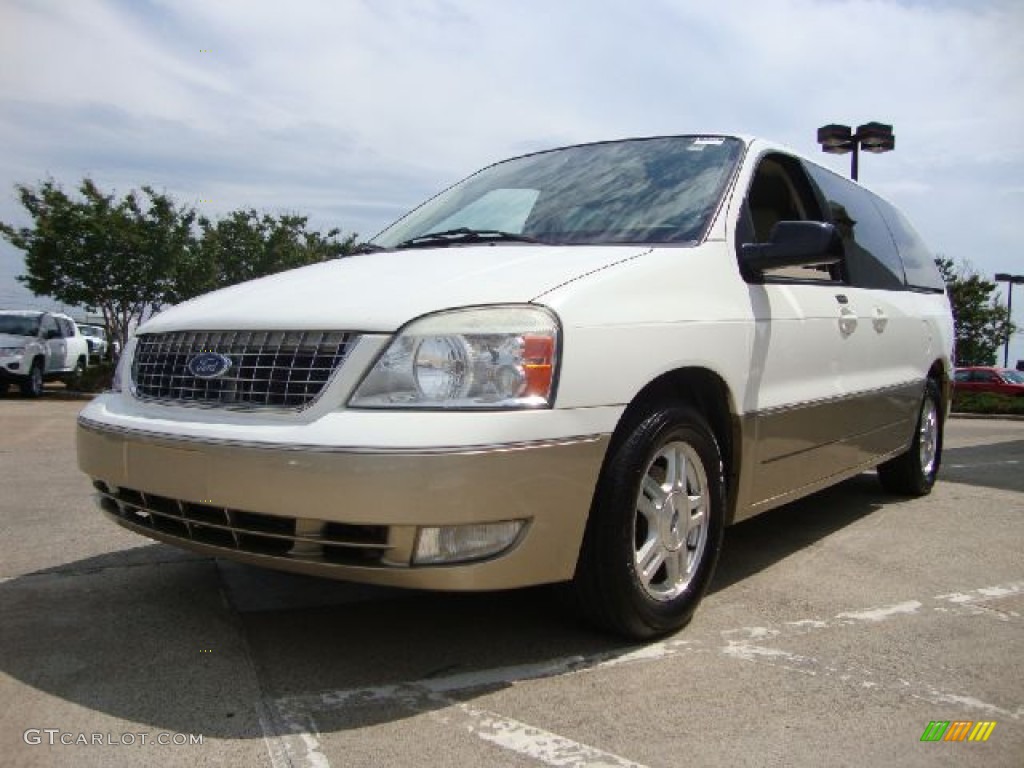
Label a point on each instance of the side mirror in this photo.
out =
(794, 244)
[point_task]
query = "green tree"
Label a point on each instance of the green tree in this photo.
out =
(245, 245)
(111, 255)
(981, 321)
(128, 257)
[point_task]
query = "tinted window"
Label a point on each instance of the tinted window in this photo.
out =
(918, 260)
(871, 257)
(962, 375)
(49, 324)
(662, 190)
(65, 327)
(20, 325)
(780, 191)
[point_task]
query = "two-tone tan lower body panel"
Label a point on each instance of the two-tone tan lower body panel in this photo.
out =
(791, 452)
(347, 514)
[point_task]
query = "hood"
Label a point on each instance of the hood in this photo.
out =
(379, 292)
(13, 340)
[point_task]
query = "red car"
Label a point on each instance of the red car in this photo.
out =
(1001, 381)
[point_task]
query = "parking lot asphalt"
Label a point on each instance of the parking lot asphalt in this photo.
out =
(837, 629)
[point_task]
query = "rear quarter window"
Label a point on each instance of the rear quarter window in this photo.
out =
(872, 260)
(918, 260)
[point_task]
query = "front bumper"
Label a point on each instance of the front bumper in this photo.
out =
(348, 513)
(14, 369)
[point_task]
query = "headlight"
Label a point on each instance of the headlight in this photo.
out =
(486, 357)
(11, 351)
(123, 365)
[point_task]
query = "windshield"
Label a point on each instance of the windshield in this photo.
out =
(1014, 377)
(662, 190)
(92, 330)
(20, 325)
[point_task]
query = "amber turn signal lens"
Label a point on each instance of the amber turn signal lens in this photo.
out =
(538, 364)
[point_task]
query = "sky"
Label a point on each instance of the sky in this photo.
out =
(352, 111)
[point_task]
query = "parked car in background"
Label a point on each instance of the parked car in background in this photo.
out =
(96, 337)
(999, 381)
(574, 366)
(40, 346)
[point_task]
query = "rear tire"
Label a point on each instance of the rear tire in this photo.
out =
(913, 473)
(74, 379)
(33, 385)
(655, 527)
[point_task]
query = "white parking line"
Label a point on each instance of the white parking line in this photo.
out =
(300, 737)
(529, 741)
(292, 726)
(1003, 463)
(275, 737)
(292, 737)
(883, 613)
(984, 593)
(861, 677)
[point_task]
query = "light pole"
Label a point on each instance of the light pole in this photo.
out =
(1010, 280)
(871, 137)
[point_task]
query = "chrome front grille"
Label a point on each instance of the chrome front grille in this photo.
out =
(286, 538)
(283, 370)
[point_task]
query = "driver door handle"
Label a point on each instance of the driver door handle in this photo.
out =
(880, 320)
(847, 321)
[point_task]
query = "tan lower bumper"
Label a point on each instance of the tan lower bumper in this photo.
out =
(548, 485)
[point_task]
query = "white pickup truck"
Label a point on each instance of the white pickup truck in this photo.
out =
(40, 346)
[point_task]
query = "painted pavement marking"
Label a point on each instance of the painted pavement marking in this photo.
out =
(293, 738)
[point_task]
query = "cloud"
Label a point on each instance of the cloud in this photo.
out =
(353, 111)
(90, 51)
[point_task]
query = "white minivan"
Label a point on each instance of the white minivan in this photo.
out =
(574, 366)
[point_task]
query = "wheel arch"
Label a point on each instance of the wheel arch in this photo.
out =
(940, 374)
(708, 393)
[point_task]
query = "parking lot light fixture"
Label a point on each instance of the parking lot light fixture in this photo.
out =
(1010, 280)
(871, 137)
(835, 139)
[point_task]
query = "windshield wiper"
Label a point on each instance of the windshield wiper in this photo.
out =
(367, 248)
(464, 235)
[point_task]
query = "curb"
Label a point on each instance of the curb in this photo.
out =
(979, 416)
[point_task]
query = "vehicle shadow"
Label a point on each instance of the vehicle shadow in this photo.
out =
(158, 636)
(986, 465)
(755, 544)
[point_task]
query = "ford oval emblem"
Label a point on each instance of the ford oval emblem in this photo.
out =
(209, 365)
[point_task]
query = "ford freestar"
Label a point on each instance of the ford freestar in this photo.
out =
(574, 366)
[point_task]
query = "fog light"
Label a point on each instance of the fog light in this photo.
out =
(458, 543)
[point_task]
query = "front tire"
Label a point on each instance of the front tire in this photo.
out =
(913, 473)
(33, 385)
(655, 527)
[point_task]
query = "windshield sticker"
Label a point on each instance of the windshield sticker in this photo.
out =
(709, 141)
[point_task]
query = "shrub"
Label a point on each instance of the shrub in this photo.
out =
(96, 378)
(987, 402)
